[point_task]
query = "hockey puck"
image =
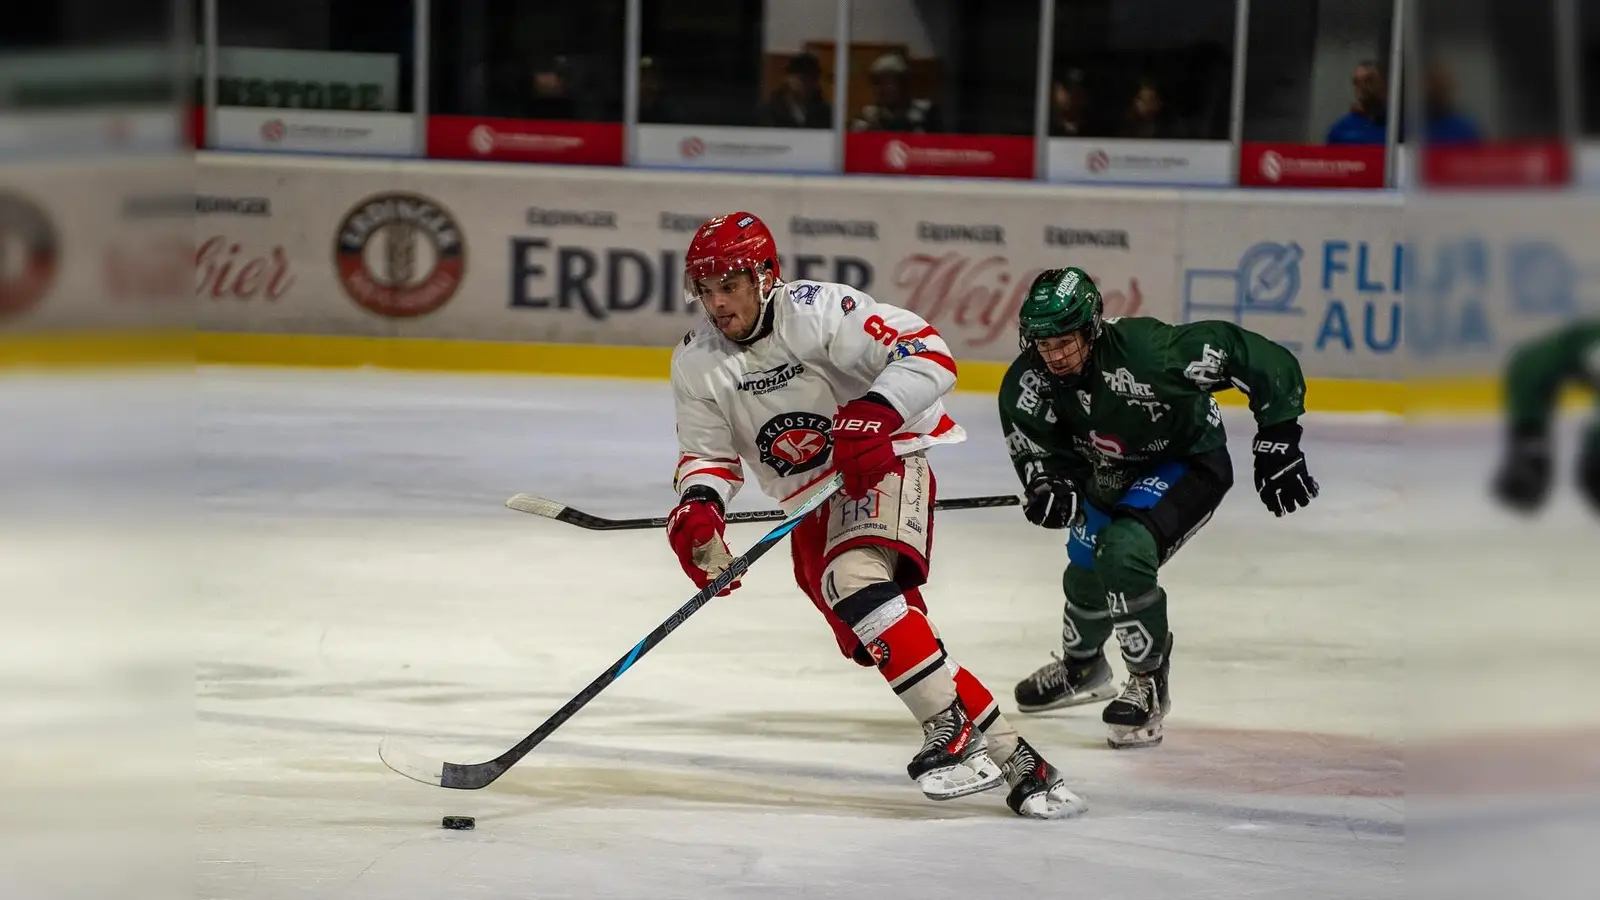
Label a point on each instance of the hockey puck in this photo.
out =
(459, 823)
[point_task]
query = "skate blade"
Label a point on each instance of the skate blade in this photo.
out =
(961, 780)
(1095, 696)
(1056, 803)
(1133, 738)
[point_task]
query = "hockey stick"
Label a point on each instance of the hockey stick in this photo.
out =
(471, 777)
(561, 512)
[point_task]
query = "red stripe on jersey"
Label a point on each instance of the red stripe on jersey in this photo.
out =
(939, 358)
(921, 334)
(724, 474)
(690, 457)
(945, 424)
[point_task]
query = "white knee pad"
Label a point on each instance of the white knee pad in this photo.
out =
(859, 586)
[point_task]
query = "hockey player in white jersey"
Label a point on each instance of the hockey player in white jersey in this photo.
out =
(791, 381)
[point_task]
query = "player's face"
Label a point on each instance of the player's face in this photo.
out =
(1066, 354)
(732, 301)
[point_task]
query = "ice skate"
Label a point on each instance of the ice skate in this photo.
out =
(1037, 789)
(1065, 682)
(1134, 718)
(954, 759)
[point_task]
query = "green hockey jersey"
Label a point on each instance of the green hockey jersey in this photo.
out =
(1146, 398)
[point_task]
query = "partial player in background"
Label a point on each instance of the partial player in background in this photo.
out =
(1534, 379)
(792, 381)
(1114, 431)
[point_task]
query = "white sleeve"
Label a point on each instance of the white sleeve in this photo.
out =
(903, 356)
(706, 455)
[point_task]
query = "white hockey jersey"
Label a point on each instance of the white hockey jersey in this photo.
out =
(770, 405)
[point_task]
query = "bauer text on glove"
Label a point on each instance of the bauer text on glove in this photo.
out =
(863, 443)
(1280, 471)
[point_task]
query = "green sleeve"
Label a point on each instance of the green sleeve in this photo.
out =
(1218, 355)
(1540, 369)
(1030, 439)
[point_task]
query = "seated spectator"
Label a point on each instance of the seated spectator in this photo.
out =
(1446, 124)
(1367, 122)
(894, 109)
(1069, 106)
(1146, 115)
(798, 102)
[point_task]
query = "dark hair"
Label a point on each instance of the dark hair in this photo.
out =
(804, 64)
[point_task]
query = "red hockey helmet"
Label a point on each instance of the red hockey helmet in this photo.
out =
(724, 245)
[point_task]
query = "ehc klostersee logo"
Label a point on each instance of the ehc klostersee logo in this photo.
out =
(30, 253)
(795, 442)
(400, 254)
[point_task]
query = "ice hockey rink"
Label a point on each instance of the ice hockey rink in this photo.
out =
(355, 574)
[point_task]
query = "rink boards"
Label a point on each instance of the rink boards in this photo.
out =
(313, 261)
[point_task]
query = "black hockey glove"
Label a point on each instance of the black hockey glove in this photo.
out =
(1281, 476)
(1523, 481)
(1052, 501)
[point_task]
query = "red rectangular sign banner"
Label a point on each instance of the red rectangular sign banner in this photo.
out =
(525, 140)
(1508, 165)
(1311, 165)
(947, 155)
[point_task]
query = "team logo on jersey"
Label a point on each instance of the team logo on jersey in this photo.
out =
(1083, 397)
(804, 293)
(906, 348)
(879, 651)
(848, 305)
(795, 442)
(768, 380)
(1124, 384)
(1206, 372)
(1109, 446)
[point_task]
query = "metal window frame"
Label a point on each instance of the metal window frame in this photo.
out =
(1044, 75)
(1569, 82)
(1241, 53)
(1399, 112)
(841, 80)
(421, 71)
(208, 87)
(633, 51)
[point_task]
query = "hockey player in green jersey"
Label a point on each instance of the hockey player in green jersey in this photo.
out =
(1115, 434)
(1534, 379)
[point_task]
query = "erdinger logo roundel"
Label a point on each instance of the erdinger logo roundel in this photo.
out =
(795, 442)
(400, 255)
(30, 253)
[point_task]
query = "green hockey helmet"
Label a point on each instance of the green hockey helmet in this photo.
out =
(1060, 302)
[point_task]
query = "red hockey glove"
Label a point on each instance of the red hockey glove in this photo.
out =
(863, 445)
(694, 529)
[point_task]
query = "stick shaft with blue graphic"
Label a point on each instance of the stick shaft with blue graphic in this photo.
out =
(472, 776)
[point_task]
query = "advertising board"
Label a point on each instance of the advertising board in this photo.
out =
(735, 149)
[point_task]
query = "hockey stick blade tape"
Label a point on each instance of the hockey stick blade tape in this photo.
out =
(539, 506)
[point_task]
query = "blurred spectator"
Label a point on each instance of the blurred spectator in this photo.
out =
(654, 105)
(894, 109)
(1367, 122)
(1446, 124)
(1069, 106)
(549, 97)
(1146, 116)
(798, 102)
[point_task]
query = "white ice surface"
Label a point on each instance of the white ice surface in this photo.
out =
(359, 576)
